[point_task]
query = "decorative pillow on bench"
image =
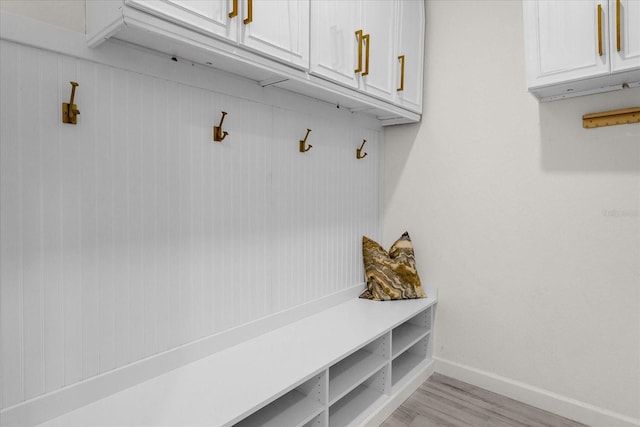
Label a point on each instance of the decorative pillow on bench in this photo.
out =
(390, 275)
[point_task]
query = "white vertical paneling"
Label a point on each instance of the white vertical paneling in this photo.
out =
(134, 156)
(70, 199)
(52, 222)
(10, 230)
(174, 259)
(132, 232)
(105, 213)
(198, 143)
(120, 175)
(219, 248)
(162, 188)
(149, 215)
(184, 254)
(207, 217)
(89, 226)
(32, 253)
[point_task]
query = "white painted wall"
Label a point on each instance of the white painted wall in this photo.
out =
(527, 223)
(67, 14)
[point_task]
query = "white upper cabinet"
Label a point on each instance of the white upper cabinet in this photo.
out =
(357, 44)
(566, 42)
(625, 39)
(278, 28)
(336, 49)
(354, 53)
(572, 45)
(208, 17)
(409, 55)
(378, 27)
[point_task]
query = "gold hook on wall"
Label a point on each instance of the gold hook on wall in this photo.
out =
(218, 133)
(359, 154)
(303, 142)
(70, 111)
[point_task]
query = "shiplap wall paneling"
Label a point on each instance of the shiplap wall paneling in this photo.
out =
(133, 233)
(10, 232)
(243, 209)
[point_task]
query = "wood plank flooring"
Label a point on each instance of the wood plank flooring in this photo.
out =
(445, 402)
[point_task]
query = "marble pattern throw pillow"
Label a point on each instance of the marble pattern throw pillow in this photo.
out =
(390, 275)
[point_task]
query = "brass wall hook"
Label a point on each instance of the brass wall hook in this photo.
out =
(70, 111)
(218, 133)
(359, 154)
(303, 142)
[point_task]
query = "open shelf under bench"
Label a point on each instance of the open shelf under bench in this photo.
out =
(328, 369)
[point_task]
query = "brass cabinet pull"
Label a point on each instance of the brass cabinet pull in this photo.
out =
(600, 30)
(359, 37)
(249, 12)
(367, 39)
(618, 38)
(401, 88)
(234, 11)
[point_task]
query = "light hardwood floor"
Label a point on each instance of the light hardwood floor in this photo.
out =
(444, 401)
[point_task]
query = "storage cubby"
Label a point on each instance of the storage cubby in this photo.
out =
(347, 410)
(345, 375)
(410, 359)
(408, 333)
(336, 368)
(318, 421)
(299, 407)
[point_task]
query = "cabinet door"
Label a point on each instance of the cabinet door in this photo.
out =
(563, 40)
(378, 24)
(209, 17)
(625, 34)
(334, 45)
(278, 28)
(411, 47)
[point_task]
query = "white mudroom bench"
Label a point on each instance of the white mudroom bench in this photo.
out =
(350, 364)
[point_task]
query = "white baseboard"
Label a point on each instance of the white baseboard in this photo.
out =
(59, 402)
(540, 398)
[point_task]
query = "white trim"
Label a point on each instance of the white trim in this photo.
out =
(567, 407)
(61, 401)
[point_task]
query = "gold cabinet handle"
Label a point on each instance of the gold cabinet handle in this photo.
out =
(367, 39)
(600, 30)
(359, 37)
(401, 59)
(249, 12)
(618, 37)
(234, 11)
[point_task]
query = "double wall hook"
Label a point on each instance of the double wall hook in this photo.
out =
(359, 154)
(70, 111)
(303, 142)
(218, 133)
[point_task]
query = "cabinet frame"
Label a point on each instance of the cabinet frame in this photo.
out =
(596, 66)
